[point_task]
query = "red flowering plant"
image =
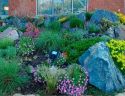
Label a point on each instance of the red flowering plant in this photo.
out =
(75, 82)
(31, 30)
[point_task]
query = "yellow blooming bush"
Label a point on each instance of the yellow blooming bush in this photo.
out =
(121, 17)
(63, 19)
(117, 48)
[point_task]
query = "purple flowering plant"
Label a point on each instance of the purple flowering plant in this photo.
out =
(75, 82)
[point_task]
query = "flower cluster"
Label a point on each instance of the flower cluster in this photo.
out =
(36, 77)
(117, 48)
(31, 30)
(67, 86)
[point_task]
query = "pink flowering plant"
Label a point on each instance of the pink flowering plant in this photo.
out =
(75, 82)
(31, 30)
(36, 77)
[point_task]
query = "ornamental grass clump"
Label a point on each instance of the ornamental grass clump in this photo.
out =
(75, 82)
(117, 48)
(49, 41)
(76, 23)
(55, 26)
(51, 76)
(10, 79)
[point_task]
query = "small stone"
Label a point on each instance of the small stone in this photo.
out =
(25, 95)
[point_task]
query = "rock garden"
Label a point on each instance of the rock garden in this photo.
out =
(68, 55)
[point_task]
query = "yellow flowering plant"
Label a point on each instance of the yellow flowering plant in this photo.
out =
(117, 48)
(63, 19)
(121, 17)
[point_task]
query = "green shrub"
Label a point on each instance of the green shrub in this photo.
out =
(56, 40)
(93, 28)
(8, 53)
(77, 35)
(26, 46)
(56, 26)
(71, 37)
(76, 23)
(76, 73)
(74, 36)
(49, 41)
(10, 79)
(78, 48)
(4, 43)
(51, 76)
(88, 15)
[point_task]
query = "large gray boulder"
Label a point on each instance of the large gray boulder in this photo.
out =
(120, 30)
(116, 32)
(98, 15)
(10, 33)
(111, 32)
(102, 71)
